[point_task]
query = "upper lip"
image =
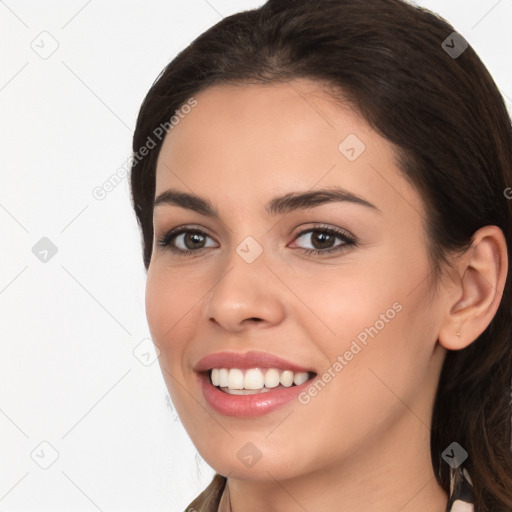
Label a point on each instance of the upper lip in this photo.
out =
(252, 359)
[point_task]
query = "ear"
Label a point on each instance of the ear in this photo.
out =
(475, 294)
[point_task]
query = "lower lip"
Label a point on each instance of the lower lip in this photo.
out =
(248, 405)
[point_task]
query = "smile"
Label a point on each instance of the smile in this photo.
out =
(251, 383)
(237, 381)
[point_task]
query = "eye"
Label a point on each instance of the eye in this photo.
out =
(185, 241)
(191, 239)
(322, 238)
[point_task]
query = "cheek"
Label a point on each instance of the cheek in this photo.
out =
(344, 305)
(156, 305)
(385, 335)
(166, 313)
(378, 312)
(167, 305)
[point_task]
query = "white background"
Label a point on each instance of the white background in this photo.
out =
(69, 377)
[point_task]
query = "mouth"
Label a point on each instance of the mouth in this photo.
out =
(253, 381)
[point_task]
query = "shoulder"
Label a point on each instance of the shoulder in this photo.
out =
(208, 500)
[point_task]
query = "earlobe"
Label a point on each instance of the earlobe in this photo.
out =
(474, 299)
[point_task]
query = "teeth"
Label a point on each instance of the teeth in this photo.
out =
(235, 379)
(223, 378)
(287, 378)
(272, 378)
(253, 379)
(300, 378)
(256, 378)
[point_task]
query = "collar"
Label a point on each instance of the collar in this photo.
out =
(461, 491)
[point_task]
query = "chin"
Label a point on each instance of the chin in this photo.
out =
(260, 471)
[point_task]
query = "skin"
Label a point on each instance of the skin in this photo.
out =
(363, 441)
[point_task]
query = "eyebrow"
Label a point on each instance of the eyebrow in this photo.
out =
(278, 205)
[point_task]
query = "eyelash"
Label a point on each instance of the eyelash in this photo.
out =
(165, 241)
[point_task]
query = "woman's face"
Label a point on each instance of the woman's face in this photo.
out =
(260, 279)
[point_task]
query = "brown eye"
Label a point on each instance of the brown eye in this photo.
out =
(323, 238)
(184, 241)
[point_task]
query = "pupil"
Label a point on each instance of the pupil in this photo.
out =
(321, 236)
(194, 237)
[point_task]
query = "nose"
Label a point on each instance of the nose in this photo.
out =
(246, 294)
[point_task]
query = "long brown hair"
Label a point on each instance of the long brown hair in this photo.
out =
(452, 133)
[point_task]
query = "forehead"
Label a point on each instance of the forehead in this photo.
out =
(259, 140)
(231, 122)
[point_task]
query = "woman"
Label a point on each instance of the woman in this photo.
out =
(322, 193)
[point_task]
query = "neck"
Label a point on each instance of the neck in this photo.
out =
(388, 474)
